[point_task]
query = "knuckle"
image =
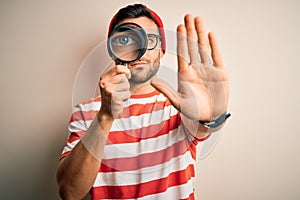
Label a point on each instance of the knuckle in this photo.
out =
(102, 83)
(117, 68)
(121, 78)
(124, 78)
(119, 103)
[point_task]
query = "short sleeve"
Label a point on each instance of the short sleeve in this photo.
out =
(76, 129)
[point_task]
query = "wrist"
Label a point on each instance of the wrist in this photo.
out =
(105, 113)
(105, 120)
(216, 122)
(104, 116)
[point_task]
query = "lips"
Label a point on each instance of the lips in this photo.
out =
(138, 64)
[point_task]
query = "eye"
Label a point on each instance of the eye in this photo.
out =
(123, 40)
(151, 40)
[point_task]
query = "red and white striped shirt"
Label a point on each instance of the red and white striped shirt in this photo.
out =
(148, 153)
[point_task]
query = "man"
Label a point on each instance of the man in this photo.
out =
(139, 139)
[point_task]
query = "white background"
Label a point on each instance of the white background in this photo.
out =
(43, 43)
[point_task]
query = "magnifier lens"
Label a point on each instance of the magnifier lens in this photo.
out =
(127, 42)
(126, 45)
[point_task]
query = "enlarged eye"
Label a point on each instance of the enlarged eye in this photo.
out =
(123, 40)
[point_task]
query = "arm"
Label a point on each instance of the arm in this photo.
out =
(77, 172)
(197, 129)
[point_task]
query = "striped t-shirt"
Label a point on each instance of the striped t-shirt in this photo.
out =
(149, 154)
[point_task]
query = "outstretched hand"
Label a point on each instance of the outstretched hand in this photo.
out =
(203, 87)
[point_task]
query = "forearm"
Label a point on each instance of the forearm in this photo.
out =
(214, 125)
(77, 172)
(203, 132)
(197, 129)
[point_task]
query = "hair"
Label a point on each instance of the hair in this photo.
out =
(132, 11)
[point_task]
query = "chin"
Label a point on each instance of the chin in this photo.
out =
(137, 80)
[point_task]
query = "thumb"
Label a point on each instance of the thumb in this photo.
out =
(165, 88)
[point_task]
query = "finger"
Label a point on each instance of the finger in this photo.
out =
(215, 51)
(124, 95)
(191, 39)
(116, 79)
(167, 90)
(119, 97)
(111, 80)
(117, 69)
(116, 105)
(121, 69)
(122, 87)
(181, 47)
(202, 40)
(111, 88)
(116, 83)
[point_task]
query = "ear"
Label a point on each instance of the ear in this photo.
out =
(161, 53)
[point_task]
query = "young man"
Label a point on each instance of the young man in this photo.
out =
(139, 139)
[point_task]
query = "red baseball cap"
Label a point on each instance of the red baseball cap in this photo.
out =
(158, 22)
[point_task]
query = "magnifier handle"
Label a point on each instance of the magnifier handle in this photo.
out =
(121, 63)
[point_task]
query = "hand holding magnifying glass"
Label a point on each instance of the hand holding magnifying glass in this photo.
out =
(127, 43)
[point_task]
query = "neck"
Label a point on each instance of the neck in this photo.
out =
(142, 88)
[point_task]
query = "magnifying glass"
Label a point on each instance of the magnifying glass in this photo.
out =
(127, 43)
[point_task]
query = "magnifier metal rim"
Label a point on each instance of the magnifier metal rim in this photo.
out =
(144, 42)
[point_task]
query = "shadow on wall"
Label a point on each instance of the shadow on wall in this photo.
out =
(33, 174)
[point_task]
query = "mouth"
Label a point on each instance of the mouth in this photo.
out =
(138, 64)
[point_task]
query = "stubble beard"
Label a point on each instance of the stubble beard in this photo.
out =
(137, 78)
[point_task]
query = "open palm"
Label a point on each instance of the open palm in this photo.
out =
(203, 87)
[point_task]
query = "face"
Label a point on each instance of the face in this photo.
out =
(146, 67)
